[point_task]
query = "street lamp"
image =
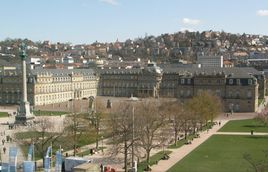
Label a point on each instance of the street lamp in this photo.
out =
(74, 126)
(133, 133)
(102, 144)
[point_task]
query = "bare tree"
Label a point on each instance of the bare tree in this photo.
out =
(75, 125)
(175, 112)
(97, 117)
(121, 125)
(151, 120)
(42, 134)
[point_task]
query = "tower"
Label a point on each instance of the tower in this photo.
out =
(23, 112)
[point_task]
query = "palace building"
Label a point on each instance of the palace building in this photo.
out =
(239, 88)
(48, 86)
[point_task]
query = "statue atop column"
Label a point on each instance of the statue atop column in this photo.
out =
(24, 113)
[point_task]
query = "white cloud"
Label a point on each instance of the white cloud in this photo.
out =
(188, 21)
(111, 2)
(262, 13)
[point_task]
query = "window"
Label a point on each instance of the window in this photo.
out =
(238, 81)
(230, 94)
(231, 81)
(249, 94)
(249, 82)
(237, 94)
(188, 93)
(188, 81)
(218, 93)
(181, 93)
(182, 81)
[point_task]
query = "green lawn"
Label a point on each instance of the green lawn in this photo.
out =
(49, 113)
(3, 114)
(64, 141)
(155, 158)
(244, 126)
(223, 153)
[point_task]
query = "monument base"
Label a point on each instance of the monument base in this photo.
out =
(24, 114)
(23, 119)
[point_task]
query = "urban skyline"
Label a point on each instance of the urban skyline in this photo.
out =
(85, 21)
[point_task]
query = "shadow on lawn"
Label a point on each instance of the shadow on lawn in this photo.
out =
(254, 126)
(256, 137)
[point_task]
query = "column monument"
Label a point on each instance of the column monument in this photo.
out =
(23, 113)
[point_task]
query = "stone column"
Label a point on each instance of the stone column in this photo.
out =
(24, 113)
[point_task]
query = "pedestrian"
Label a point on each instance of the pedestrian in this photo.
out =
(4, 149)
(219, 123)
(101, 167)
(3, 141)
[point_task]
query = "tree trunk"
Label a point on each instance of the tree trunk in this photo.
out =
(185, 133)
(148, 157)
(176, 137)
(97, 143)
(125, 155)
(97, 137)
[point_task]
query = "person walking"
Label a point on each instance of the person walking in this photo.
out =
(4, 149)
(3, 141)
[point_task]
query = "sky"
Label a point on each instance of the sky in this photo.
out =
(87, 21)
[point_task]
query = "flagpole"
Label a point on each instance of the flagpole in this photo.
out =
(51, 157)
(33, 153)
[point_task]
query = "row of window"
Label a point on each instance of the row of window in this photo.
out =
(64, 87)
(231, 94)
(62, 96)
(231, 81)
(62, 79)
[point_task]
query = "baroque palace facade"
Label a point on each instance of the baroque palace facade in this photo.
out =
(48, 86)
(239, 88)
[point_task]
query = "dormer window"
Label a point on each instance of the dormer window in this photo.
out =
(249, 81)
(189, 81)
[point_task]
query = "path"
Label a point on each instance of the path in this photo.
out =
(6, 132)
(241, 133)
(178, 154)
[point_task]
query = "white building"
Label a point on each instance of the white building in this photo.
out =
(210, 61)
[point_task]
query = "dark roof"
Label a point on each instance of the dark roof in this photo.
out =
(63, 72)
(234, 72)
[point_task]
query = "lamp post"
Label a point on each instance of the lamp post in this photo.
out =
(132, 148)
(102, 144)
(74, 127)
(133, 99)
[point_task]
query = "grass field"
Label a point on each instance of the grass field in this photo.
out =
(244, 126)
(64, 141)
(223, 153)
(49, 113)
(155, 158)
(3, 114)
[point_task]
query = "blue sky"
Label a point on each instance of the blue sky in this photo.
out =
(85, 21)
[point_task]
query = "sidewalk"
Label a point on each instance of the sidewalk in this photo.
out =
(180, 153)
(242, 133)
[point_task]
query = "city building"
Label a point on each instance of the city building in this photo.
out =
(48, 86)
(239, 88)
(210, 61)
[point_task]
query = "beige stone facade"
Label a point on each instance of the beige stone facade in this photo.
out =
(49, 86)
(239, 88)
